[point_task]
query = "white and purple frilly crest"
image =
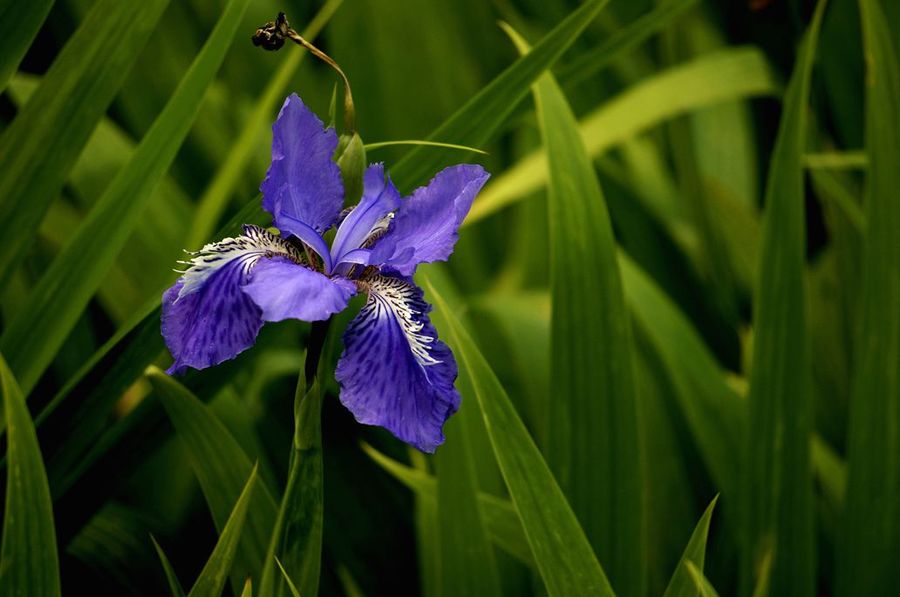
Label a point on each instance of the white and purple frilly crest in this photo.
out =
(394, 372)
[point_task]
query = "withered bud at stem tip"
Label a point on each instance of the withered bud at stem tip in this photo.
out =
(272, 35)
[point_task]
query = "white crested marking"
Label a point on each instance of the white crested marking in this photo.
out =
(248, 248)
(394, 297)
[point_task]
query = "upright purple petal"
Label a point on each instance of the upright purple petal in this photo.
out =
(394, 372)
(303, 181)
(424, 227)
(380, 197)
(206, 316)
(285, 290)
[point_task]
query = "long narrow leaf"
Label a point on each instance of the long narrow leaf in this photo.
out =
(171, 578)
(716, 77)
(19, 24)
(29, 565)
(482, 116)
(682, 584)
(67, 286)
(221, 466)
(43, 141)
(868, 553)
(562, 552)
(593, 444)
(778, 483)
(214, 574)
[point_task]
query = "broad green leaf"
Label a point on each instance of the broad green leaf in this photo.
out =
(561, 550)
(482, 116)
(19, 24)
(500, 517)
(868, 552)
(682, 583)
(171, 577)
(42, 143)
(296, 540)
(221, 466)
(28, 557)
(215, 198)
(593, 442)
(778, 482)
(73, 277)
(214, 574)
(729, 74)
(702, 585)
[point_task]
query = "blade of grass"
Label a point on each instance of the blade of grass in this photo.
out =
(562, 552)
(593, 445)
(28, 556)
(221, 465)
(73, 277)
(371, 146)
(871, 538)
(287, 579)
(719, 76)
(481, 117)
(19, 25)
(701, 584)
(836, 160)
(40, 146)
(171, 577)
(778, 483)
(214, 574)
(213, 202)
(682, 583)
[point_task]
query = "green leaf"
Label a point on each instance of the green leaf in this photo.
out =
(500, 517)
(73, 277)
(287, 579)
(467, 559)
(682, 583)
(171, 577)
(483, 115)
(379, 145)
(28, 557)
(214, 201)
(248, 588)
(214, 574)
(867, 564)
(43, 141)
(19, 25)
(714, 413)
(702, 585)
(561, 550)
(297, 536)
(221, 466)
(778, 482)
(623, 41)
(716, 77)
(593, 443)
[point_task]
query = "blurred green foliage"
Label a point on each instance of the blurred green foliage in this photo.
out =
(681, 282)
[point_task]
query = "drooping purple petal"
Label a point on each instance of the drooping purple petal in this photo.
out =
(394, 372)
(212, 324)
(379, 198)
(303, 181)
(424, 227)
(206, 316)
(286, 290)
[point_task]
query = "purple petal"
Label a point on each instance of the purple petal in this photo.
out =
(425, 225)
(379, 198)
(206, 316)
(286, 290)
(302, 182)
(212, 324)
(394, 372)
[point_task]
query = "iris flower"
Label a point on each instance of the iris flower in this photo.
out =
(394, 372)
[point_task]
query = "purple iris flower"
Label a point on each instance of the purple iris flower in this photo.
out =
(394, 372)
